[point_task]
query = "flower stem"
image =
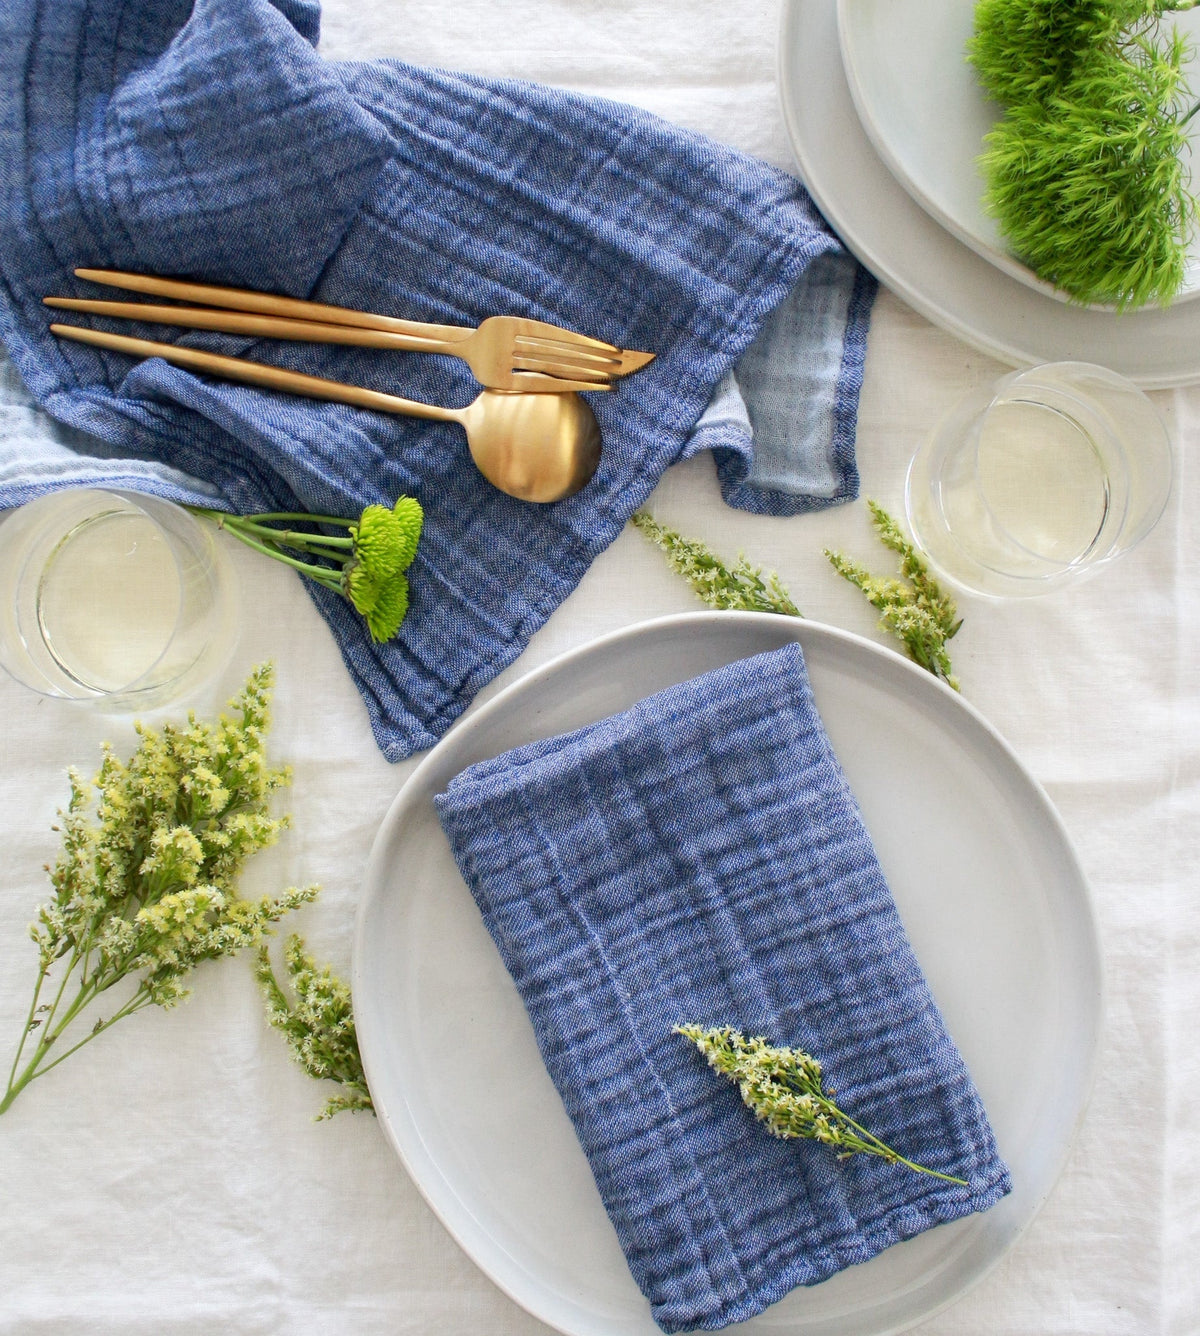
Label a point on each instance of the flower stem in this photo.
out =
(878, 1147)
(140, 1000)
(28, 1030)
(46, 1038)
(286, 537)
(321, 574)
(34, 1067)
(283, 515)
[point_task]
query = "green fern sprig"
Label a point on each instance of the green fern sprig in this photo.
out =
(1026, 50)
(915, 608)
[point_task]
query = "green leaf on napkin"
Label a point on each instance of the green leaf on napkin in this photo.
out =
(783, 1086)
(366, 563)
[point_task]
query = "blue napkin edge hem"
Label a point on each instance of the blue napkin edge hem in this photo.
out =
(905, 1222)
(731, 467)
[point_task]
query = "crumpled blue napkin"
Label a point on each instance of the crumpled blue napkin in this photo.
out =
(209, 139)
(700, 858)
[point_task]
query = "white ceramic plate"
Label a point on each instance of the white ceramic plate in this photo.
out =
(986, 881)
(925, 113)
(923, 263)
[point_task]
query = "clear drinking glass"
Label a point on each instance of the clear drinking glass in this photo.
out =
(1039, 480)
(113, 597)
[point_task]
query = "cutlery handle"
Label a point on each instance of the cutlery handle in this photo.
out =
(257, 373)
(260, 326)
(267, 303)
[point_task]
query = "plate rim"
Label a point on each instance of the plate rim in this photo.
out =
(409, 1150)
(1002, 289)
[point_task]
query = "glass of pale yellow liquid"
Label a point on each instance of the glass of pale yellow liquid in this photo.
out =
(1039, 480)
(114, 597)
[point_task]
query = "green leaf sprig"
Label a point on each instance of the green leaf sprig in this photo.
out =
(916, 608)
(1084, 172)
(145, 888)
(366, 562)
(318, 1024)
(740, 587)
(785, 1090)
(920, 613)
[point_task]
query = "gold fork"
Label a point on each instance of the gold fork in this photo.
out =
(504, 352)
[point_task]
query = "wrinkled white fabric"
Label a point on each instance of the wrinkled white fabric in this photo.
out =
(168, 1180)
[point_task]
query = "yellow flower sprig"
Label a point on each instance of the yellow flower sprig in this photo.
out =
(145, 887)
(785, 1090)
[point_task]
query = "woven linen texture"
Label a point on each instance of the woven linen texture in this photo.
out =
(210, 139)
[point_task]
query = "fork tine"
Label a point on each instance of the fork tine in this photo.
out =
(574, 358)
(623, 362)
(539, 381)
(542, 344)
(561, 370)
(632, 361)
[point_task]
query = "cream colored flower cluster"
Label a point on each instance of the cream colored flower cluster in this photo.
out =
(318, 1024)
(146, 889)
(783, 1087)
(916, 609)
(740, 587)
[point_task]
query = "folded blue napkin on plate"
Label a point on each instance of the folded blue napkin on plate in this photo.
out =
(700, 858)
(209, 139)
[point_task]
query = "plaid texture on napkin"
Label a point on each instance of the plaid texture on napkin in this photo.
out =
(209, 139)
(700, 858)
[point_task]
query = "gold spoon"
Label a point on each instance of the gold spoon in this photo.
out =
(536, 447)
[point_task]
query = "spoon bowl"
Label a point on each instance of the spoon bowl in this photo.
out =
(536, 447)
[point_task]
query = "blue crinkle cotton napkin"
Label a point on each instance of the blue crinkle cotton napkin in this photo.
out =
(209, 139)
(700, 858)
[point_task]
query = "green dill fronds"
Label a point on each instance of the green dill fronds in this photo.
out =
(366, 563)
(145, 887)
(318, 1025)
(1084, 172)
(783, 1087)
(915, 609)
(740, 587)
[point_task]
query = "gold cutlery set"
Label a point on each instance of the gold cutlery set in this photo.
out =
(529, 432)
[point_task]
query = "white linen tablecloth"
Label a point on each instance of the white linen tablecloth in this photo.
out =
(169, 1179)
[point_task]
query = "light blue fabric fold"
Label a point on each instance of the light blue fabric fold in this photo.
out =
(700, 858)
(209, 139)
